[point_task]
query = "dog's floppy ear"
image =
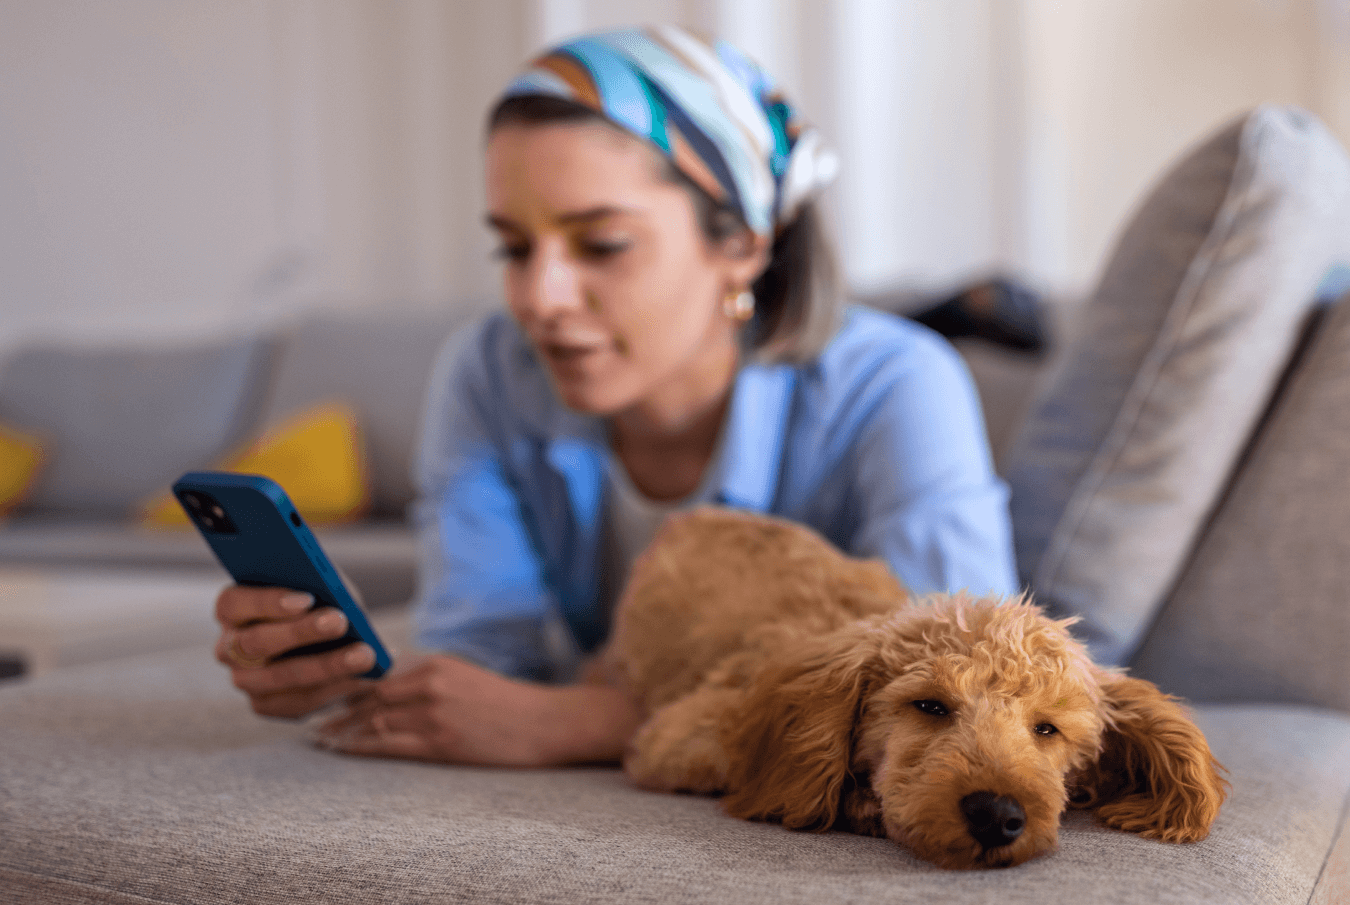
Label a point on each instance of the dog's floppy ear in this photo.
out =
(1156, 775)
(791, 742)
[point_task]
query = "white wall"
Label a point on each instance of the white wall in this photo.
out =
(173, 167)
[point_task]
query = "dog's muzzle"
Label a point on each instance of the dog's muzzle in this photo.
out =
(994, 820)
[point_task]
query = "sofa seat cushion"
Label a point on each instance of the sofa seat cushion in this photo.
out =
(379, 558)
(1204, 297)
(150, 781)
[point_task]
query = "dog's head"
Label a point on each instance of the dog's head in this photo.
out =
(961, 729)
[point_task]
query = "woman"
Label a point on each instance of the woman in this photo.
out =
(673, 337)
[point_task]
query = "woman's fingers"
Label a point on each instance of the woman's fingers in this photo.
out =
(238, 605)
(258, 625)
(253, 645)
(305, 672)
(371, 729)
(373, 743)
(296, 702)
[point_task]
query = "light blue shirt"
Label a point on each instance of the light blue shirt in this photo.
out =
(878, 444)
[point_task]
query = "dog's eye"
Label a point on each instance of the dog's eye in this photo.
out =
(1047, 729)
(932, 708)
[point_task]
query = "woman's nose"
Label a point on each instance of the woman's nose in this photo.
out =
(551, 287)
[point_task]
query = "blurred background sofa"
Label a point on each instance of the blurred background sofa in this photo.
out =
(117, 424)
(1178, 477)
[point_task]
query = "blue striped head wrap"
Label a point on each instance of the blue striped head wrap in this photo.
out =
(709, 109)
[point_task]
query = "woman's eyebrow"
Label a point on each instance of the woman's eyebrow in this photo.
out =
(600, 212)
(501, 224)
(595, 213)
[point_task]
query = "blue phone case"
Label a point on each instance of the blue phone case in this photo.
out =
(260, 539)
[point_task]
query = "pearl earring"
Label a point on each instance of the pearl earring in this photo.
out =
(739, 306)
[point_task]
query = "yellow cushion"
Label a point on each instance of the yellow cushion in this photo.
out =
(316, 455)
(21, 458)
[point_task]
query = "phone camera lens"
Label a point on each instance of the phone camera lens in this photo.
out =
(206, 511)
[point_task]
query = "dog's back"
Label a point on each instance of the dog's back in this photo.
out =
(717, 583)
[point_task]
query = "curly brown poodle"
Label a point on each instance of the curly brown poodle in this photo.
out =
(808, 688)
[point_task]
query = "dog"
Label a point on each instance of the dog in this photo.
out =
(809, 688)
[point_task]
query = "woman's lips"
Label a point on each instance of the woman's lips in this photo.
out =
(572, 355)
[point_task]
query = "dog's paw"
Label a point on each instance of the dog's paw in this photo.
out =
(860, 810)
(669, 755)
(1138, 814)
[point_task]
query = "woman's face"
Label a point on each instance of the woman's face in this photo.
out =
(607, 271)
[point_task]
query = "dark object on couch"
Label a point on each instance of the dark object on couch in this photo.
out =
(999, 311)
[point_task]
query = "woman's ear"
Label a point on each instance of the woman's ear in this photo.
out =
(791, 741)
(746, 255)
(1155, 775)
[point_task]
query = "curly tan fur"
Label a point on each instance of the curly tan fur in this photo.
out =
(808, 688)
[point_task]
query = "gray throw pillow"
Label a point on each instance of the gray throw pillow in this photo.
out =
(123, 423)
(1129, 448)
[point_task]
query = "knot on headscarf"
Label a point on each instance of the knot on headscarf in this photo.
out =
(715, 114)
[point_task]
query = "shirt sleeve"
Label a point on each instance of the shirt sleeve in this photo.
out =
(481, 590)
(933, 506)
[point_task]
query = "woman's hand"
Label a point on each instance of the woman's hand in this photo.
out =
(446, 710)
(258, 624)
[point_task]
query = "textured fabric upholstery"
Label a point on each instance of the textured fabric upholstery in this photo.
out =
(1204, 297)
(1262, 611)
(150, 781)
(121, 424)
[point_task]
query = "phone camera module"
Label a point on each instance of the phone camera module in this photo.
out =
(207, 512)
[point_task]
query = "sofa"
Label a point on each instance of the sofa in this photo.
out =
(1178, 477)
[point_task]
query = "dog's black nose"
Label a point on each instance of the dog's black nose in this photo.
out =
(994, 820)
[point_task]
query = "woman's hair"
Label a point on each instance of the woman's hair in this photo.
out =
(797, 297)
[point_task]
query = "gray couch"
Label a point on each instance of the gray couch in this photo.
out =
(1181, 480)
(123, 421)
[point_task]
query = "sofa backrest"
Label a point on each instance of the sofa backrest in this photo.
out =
(119, 423)
(1261, 611)
(378, 364)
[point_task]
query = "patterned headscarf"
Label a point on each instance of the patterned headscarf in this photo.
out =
(714, 113)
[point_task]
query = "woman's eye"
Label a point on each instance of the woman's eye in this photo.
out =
(600, 249)
(932, 708)
(1047, 729)
(512, 253)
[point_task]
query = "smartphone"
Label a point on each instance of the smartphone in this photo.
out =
(261, 540)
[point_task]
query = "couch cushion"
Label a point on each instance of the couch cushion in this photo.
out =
(121, 423)
(1185, 337)
(378, 558)
(150, 780)
(379, 366)
(1266, 587)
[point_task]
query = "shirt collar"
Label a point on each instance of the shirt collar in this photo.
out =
(756, 433)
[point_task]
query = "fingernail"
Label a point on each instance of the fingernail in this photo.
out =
(332, 623)
(360, 656)
(297, 603)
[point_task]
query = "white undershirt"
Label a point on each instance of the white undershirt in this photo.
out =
(633, 518)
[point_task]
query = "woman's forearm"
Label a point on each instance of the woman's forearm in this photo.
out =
(586, 724)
